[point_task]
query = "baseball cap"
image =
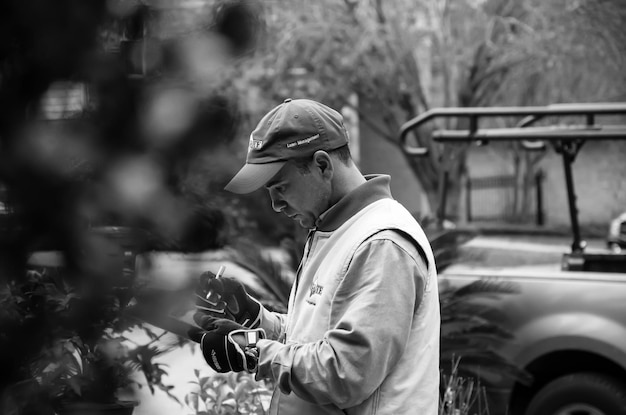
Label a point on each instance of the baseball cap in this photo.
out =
(296, 128)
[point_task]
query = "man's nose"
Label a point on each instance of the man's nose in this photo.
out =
(277, 203)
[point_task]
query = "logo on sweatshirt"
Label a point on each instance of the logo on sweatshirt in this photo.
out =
(314, 291)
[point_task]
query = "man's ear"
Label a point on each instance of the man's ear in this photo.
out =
(323, 162)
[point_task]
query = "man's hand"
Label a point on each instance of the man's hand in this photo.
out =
(228, 346)
(225, 298)
(222, 326)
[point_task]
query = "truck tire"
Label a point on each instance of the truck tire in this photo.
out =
(580, 394)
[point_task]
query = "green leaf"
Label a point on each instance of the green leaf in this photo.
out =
(226, 391)
(487, 286)
(242, 389)
(192, 400)
(204, 381)
(230, 403)
(210, 404)
(209, 395)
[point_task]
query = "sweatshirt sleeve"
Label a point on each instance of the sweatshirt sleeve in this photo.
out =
(377, 300)
(273, 324)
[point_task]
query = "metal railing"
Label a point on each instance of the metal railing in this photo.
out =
(566, 139)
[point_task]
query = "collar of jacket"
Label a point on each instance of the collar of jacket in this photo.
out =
(375, 188)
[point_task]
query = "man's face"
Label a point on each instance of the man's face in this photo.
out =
(302, 196)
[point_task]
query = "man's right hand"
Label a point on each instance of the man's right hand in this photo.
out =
(225, 298)
(227, 348)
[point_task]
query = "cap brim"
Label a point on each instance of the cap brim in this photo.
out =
(253, 176)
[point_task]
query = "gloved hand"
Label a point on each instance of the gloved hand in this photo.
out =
(228, 347)
(225, 298)
(222, 326)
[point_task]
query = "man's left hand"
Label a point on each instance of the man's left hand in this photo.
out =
(225, 298)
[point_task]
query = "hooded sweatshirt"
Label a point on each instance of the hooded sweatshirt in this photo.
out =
(361, 335)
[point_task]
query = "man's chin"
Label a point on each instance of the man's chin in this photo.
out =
(303, 222)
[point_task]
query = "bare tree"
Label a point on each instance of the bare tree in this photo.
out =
(403, 57)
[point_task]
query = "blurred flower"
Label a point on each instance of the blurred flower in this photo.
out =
(168, 114)
(135, 189)
(135, 183)
(204, 58)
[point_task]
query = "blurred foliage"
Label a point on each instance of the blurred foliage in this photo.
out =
(106, 108)
(228, 393)
(446, 241)
(470, 332)
(470, 336)
(461, 395)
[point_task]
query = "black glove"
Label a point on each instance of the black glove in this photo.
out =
(225, 298)
(229, 347)
(222, 326)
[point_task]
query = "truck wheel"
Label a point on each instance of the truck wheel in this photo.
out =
(580, 394)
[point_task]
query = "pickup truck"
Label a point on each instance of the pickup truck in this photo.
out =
(569, 335)
(567, 318)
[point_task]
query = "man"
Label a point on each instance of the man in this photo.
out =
(361, 335)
